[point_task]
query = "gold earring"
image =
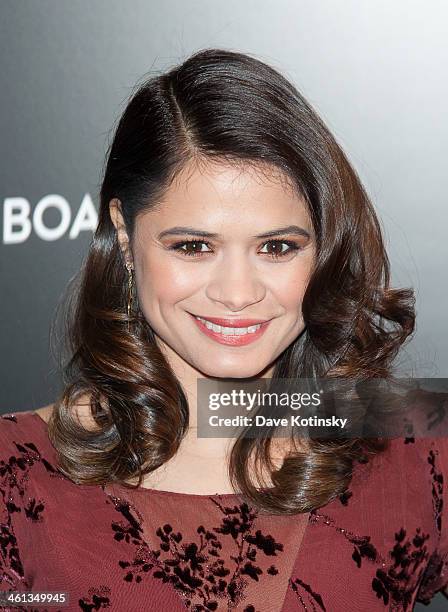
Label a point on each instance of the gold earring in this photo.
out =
(130, 290)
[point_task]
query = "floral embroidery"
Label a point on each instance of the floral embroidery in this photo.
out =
(435, 577)
(14, 474)
(10, 562)
(196, 566)
(313, 598)
(196, 569)
(395, 583)
(437, 489)
(99, 599)
(363, 548)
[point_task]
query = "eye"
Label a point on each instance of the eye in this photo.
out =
(278, 251)
(191, 249)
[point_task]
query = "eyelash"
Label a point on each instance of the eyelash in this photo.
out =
(293, 246)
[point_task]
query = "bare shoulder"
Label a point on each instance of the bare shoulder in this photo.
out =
(45, 412)
(81, 408)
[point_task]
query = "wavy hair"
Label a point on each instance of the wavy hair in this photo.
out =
(221, 105)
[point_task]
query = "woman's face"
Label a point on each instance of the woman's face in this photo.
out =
(226, 244)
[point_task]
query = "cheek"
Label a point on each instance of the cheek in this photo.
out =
(165, 280)
(290, 289)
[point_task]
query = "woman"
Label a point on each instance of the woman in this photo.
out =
(226, 203)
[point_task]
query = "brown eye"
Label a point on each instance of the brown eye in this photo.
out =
(193, 248)
(278, 249)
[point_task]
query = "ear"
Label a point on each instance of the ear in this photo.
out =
(122, 235)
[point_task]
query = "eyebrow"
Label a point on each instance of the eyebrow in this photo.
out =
(179, 230)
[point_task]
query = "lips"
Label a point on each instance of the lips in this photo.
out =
(231, 339)
(233, 322)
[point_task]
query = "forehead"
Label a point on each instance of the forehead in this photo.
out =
(213, 194)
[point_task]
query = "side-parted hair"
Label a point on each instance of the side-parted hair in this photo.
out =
(224, 106)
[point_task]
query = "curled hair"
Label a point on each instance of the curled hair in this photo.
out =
(220, 105)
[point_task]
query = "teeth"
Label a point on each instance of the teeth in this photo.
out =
(230, 331)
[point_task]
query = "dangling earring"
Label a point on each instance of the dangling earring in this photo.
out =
(130, 290)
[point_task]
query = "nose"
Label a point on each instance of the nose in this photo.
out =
(235, 284)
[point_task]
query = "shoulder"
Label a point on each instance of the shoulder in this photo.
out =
(16, 424)
(80, 409)
(22, 434)
(45, 412)
(24, 444)
(31, 426)
(22, 419)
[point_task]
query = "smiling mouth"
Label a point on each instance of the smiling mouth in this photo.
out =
(237, 334)
(237, 330)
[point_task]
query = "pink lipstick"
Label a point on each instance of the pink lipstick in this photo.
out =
(249, 330)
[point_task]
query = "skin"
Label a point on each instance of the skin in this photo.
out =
(235, 275)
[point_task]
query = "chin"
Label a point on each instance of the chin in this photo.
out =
(231, 371)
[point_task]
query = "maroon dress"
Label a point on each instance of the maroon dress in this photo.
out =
(383, 545)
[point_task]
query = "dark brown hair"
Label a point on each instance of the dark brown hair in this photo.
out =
(221, 105)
